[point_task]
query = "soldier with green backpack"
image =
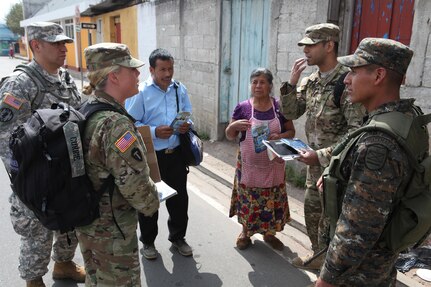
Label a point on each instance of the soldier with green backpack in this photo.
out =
(376, 187)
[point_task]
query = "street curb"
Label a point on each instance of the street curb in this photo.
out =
(295, 222)
(213, 175)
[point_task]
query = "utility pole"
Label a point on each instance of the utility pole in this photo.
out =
(78, 42)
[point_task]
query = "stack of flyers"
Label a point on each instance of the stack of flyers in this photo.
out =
(287, 149)
(180, 118)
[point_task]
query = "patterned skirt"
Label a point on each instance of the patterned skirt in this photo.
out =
(261, 210)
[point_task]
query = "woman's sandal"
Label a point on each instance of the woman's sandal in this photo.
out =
(273, 241)
(243, 242)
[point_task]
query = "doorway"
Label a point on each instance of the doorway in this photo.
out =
(244, 47)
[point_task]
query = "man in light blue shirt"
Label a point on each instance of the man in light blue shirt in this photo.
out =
(159, 100)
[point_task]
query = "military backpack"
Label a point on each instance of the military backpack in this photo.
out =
(47, 169)
(410, 221)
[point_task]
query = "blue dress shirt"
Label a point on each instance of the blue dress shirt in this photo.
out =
(154, 107)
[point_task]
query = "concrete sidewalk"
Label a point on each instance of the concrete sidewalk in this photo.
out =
(219, 163)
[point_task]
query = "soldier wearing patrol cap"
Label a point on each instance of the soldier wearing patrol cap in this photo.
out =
(38, 85)
(329, 115)
(114, 147)
(373, 166)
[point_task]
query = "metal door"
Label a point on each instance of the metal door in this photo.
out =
(244, 47)
(391, 19)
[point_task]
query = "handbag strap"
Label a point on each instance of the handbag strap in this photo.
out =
(176, 84)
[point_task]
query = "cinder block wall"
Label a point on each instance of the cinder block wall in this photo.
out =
(290, 18)
(418, 78)
(190, 30)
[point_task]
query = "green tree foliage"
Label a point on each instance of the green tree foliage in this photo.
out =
(13, 18)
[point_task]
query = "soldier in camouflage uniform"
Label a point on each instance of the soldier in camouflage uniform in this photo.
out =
(20, 93)
(375, 169)
(328, 119)
(113, 146)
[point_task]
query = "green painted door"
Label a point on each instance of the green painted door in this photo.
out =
(244, 47)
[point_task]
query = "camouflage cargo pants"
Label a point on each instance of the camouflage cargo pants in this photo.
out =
(316, 223)
(109, 259)
(36, 242)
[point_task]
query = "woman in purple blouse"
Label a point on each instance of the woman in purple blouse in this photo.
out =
(259, 197)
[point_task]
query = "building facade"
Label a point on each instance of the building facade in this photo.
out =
(217, 43)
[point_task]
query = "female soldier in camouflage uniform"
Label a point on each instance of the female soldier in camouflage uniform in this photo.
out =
(113, 146)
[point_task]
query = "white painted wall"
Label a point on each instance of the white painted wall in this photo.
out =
(147, 35)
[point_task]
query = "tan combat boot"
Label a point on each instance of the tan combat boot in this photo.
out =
(68, 270)
(38, 282)
(314, 265)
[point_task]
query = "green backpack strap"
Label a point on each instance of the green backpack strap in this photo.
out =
(407, 131)
(423, 120)
(38, 79)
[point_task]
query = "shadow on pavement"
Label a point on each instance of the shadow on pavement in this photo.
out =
(185, 272)
(270, 269)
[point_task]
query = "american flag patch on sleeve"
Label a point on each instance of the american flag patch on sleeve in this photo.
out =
(126, 140)
(12, 101)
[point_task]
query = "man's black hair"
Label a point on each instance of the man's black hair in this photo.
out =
(159, 54)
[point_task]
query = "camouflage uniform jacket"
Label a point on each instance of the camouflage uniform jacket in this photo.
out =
(375, 168)
(325, 123)
(113, 145)
(18, 91)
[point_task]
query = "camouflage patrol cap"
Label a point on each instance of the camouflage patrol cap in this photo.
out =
(320, 32)
(104, 55)
(383, 52)
(47, 31)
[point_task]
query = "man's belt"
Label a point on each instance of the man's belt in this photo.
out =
(167, 150)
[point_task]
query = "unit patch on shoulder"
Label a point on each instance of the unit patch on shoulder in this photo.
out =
(6, 115)
(375, 158)
(136, 154)
(125, 141)
(12, 101)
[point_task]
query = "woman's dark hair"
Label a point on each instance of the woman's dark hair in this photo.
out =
(159, 54)
(262, 71)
